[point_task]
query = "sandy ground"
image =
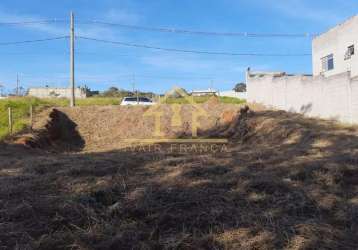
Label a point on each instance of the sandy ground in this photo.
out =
(282, 182)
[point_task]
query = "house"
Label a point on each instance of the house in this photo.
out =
(332, 91)
(334, 52)
(204, 92)
(48, 92)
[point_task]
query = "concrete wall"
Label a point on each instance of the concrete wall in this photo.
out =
(231, 93)
(334, 97)
(56, 93)
(336, 41)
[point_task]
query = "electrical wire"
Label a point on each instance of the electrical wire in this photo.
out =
(33, 41)
(205, 33)
(168, 30)
(190, 51)
(32, 22)
(100, 78)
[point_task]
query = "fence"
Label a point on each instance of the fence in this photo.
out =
(15, 117)
(333, 97)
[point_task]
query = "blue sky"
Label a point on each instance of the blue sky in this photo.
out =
(103, 65)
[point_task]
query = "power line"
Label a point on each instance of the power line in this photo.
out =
(32, 22)
(175, 77)
(33, 53)
(33, 41)
(205, 33)
(101, 78)
(118, 77)
(168, 30)
(58, 53)
(190, 51)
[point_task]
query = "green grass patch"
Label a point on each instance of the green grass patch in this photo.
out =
(203, 99)
(231, 100)
(20, 113)
(21, 109)
(101, 101)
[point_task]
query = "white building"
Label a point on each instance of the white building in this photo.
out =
(48, 92)
(332, 91)
(334, 52)
(234, 94)
(204, 92)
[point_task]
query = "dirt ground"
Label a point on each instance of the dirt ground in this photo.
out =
(281, 182)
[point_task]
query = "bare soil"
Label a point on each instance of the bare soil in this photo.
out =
(282, 182)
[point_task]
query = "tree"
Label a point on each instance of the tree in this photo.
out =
(240, 87)
(113, 89)
(19, 91)
(111, 92)
(115, 92)
(89, 92)
(54, 94)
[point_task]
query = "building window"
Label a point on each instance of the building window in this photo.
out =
(327, 63)
(349, 53)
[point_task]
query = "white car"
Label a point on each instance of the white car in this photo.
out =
(128, 101)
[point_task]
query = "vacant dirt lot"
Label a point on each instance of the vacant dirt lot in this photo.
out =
(282, 182)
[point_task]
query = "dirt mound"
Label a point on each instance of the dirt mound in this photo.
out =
(283, 182)
(274, 128)
(110, 127)
(97, 128)
(56, 132)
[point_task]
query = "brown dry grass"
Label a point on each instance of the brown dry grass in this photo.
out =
(283, 182)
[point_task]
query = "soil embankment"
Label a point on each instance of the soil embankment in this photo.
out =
(283, 182)
(106, 128)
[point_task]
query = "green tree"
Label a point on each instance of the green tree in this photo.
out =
(111, 92)
(240, 87)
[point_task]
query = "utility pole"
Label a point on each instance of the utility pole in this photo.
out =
(135, 91)
(133, 83)
(17, 85)
(72, 63)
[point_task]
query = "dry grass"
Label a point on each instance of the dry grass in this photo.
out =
(21, 109)
(283, 182)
